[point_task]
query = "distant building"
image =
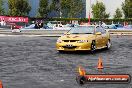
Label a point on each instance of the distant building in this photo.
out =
(88, 8)
(34, 5)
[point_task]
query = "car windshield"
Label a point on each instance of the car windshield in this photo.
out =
(82, 30)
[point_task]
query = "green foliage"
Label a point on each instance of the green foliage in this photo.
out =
(2, 12)
(109, 21)
(98, 11)
(72, 8)
(18, 7)
(67, 8)
(63, 19)
(43, 8)
(55, 5)
(92, 20)
(118, 13)
(127, 8)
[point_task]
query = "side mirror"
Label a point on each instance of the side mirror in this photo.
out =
(66, 33)
(98, 33)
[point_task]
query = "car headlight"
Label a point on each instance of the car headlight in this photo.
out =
(59, 40)
(82, 41)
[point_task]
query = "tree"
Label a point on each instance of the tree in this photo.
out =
(56, 6)
(72, 8)
(127, 8)
(18, 7)
(43, 8)
(67, 8)
(118, 13)
(98, 11)
(2, 12)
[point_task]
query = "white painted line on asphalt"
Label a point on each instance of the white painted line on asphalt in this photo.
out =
(62, 80)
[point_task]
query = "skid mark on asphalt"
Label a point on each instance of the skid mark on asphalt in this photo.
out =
(35, 63)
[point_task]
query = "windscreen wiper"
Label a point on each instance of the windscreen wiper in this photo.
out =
(75, 33)
(88, 33)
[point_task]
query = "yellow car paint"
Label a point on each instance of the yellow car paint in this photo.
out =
(77, 42)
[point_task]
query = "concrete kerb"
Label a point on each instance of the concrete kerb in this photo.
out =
(56, 33)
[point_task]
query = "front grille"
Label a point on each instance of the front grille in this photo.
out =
(73, 47)
(66, 40)
(73, 40)
(70, 40)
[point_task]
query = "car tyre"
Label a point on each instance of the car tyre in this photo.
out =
(93, 47)
(108, 45)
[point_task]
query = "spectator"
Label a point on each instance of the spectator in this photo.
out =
(2, 23)
(72, 25)
(41, 24)
(36, 25)
(103, 24)
(95, 23)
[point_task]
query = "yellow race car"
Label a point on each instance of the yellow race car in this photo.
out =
(84, 38)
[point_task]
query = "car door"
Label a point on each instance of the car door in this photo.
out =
(99, 38)
(104, 37)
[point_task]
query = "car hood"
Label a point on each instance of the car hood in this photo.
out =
(77, 37)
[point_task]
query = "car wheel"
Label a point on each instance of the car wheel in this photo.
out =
(108, 45)
(93, 46)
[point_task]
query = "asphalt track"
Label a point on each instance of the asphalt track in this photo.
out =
(33, 62)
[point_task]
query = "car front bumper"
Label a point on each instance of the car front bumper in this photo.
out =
(73, 46)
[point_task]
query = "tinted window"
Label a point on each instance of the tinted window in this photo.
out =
(82, 30)
(103, 31)
(100, 29)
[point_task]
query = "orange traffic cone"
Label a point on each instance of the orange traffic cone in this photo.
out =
(81, 71)
(100, 63)
(1, 86)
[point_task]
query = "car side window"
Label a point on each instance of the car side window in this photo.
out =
(100, 29)
(103, 31)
